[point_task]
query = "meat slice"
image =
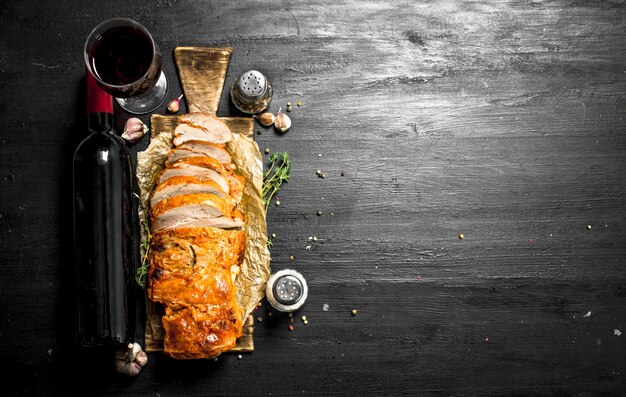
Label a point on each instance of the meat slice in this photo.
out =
(206, 168)
(180, 185)
(202, 161)
(175, 219)
(197, 246)
(185, 132)
(208, 123)
(207, 149)
(216, 205)
(235, 186)
(201, 173)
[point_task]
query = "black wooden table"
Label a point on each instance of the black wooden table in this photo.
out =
(502, 121)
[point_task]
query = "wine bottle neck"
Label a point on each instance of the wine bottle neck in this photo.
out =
(99, 107)
(99, 122)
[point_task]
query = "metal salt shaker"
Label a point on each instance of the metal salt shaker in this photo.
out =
(251, 92)
(286, 290)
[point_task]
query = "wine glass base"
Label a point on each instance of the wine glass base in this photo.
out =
(148, 102)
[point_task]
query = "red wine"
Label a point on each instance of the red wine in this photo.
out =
(103, 233)
(123, 56)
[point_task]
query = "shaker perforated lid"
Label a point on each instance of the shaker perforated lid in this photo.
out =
(286, 290)
(252, 84)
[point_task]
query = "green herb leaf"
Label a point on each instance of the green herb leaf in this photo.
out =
(142, 272)
(277, 174)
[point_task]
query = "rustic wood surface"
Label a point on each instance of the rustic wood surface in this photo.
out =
(504, 121)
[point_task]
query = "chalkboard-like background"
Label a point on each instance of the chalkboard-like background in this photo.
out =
(504, 121)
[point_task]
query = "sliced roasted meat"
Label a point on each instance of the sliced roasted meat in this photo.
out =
(179, 185)
(216, 205)
(201, 173)
(183, 218)
(185, 132)
(188, 264)
(203, 148)
(209, 123)
(178, 289)
(235, 186)
(198, 241)
(202, 161)
(172, 220)
(198, 246)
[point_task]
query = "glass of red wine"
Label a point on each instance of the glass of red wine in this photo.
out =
(125, 61)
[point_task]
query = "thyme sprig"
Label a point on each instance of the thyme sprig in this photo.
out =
(277, 174)
(142, 271)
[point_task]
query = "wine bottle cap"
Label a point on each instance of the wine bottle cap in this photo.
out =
(98, 101)
(286, 290)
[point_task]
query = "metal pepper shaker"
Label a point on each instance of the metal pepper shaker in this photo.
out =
(286, 290)
(251, 92)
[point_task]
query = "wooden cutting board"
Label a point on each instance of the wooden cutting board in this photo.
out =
(202, 72)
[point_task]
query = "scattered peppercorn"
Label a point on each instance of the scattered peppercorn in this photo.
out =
(305, 322)
(289, 106)
(303, 318)
(289, 315)
(343, 173)
(318, 172)
(273, 235)
(277, 202)
(267, 151)
(588, 227)
(314, 238)
(291, 257)
(290, 327)
(353, 312)
(461, 236)
(258, 132)
(269, 314)
(299, 103)
(239, 357)
(259, 319)
(319, 213)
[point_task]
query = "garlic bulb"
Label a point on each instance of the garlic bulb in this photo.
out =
(131, 360)
(174, 106)
(282, 122)
(134, 130)
(266, 119)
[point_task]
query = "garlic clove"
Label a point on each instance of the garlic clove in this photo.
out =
(266, 119)
(130, 360)
(134, 130)
(282, 122)
(129, 369)
(174, 106)
(141, 358)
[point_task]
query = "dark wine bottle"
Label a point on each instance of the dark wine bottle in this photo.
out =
(103, 228)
